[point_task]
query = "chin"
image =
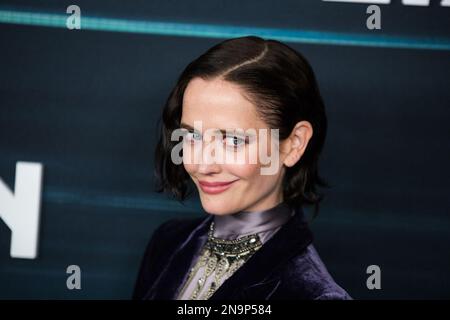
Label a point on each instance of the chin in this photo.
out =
(216, 207)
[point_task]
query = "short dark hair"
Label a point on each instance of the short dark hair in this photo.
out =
(281, 84)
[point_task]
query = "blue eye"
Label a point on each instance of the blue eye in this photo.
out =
(192, 136)
(234, 141)
(196, 136)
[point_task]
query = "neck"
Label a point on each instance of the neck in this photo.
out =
(243, 223)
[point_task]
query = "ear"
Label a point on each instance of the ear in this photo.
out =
(295, 145)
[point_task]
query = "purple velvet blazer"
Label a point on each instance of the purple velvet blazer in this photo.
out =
(286, 267)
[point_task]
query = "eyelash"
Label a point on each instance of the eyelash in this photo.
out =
(243, 141)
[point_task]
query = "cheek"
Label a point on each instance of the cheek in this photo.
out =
(246, 172)
(252, 179)
(190, 168)
(264, 146)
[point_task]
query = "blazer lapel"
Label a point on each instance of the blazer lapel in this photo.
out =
(176, 270)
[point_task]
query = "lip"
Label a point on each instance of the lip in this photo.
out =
(215, 187)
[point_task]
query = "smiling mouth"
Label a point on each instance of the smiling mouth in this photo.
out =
(215, 187)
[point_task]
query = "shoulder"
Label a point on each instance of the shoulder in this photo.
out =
(170, 234)
(176, 228)
(306, 277)
(162, 243)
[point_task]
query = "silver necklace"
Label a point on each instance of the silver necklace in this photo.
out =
(222, 258)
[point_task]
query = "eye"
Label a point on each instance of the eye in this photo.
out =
(234, 141)
(192, 136)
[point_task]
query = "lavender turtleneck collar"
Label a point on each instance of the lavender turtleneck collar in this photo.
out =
(265, 222)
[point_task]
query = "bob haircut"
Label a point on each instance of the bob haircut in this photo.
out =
(280, 83)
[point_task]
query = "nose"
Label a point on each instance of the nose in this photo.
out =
(208, 163)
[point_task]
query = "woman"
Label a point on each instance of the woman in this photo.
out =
(252, 99)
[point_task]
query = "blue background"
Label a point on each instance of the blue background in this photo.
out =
(86, 103)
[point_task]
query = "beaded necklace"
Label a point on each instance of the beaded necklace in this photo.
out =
(221, 257)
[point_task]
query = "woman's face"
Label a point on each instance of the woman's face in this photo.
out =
(221, 105)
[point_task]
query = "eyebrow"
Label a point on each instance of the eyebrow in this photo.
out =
(186, 126)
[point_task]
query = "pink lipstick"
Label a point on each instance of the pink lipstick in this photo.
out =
(215, 187)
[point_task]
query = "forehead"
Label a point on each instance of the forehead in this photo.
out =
(218, 104)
